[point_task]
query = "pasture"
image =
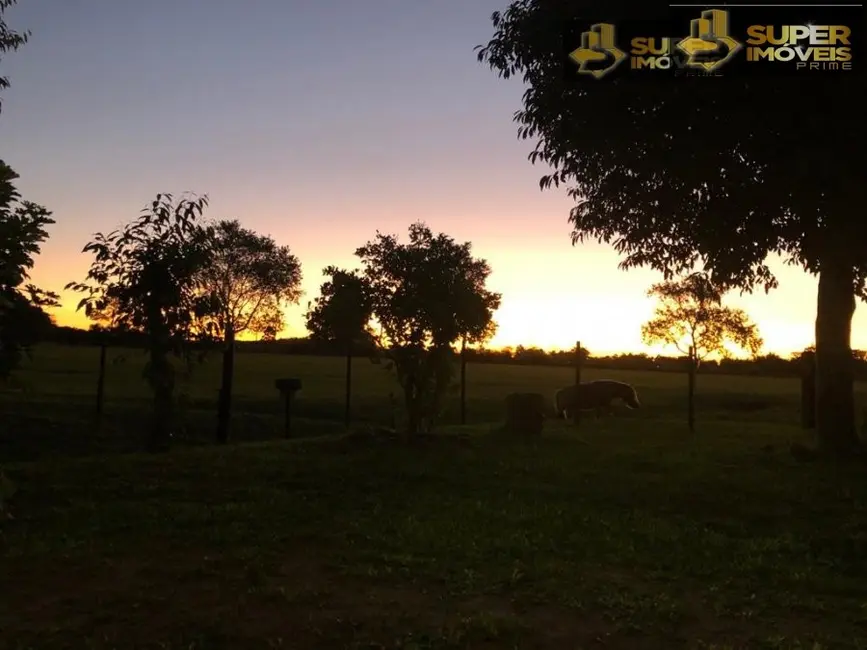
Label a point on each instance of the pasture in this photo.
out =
(52, 410)
(627, 534)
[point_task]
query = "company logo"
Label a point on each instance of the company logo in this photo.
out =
(598, 54)
(756, 40)
(810, 47)
(709, 45)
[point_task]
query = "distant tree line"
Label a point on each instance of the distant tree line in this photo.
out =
(766, 365)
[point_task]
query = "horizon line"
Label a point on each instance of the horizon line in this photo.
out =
(529, 347)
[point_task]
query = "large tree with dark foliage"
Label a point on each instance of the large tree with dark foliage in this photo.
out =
(426, 294)
(144, 278)
(10, 40)
(23, 320)
(250, 279)
(16, 311)
(715, 172)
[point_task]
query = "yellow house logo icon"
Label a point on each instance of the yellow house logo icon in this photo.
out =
(709, 45)
(598, 55)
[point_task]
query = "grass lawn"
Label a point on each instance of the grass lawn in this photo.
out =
(631, 535)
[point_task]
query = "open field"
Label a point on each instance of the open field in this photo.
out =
(53, 411)
(628, 534)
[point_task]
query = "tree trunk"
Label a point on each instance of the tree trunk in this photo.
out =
(413, 407)
(464, 380)
(348, 414)
(691, 391)
(160, 376)
(162, 383)
(100, 382)
(576, 415)
(835, 403)
(224, 414)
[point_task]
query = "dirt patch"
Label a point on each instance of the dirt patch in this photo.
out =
(169, 595)
(172, 594)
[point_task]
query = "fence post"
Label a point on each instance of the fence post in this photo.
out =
(100, 382)
(576, 413)
(348, 413)
(464, 380)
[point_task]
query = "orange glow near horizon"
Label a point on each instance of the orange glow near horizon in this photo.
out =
(546, 304)
(554, 293)
(517, 325)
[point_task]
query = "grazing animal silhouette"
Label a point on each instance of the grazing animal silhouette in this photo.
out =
(593, 395)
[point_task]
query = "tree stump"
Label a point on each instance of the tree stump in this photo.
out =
(525, 413)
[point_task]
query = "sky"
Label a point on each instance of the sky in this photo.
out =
(319, 122)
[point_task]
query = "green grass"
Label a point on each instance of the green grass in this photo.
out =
(627, 534)
(640, 537)
(52, 413)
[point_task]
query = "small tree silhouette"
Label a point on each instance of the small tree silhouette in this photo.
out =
(143, 279)
(692, 319)
(249, 277)
(426, 295)
(341, 315)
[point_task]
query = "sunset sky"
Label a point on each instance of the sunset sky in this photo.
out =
(319, 122)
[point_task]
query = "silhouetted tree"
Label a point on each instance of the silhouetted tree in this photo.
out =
(22, 231)
(531, 355)
(10, 40)
(719, 184)
(341, 315)
(692, 318)
(250, 278)
(144, 278)
(426, 295)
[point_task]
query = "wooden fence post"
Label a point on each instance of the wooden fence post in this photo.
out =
(464, 380)
(347, 416)
(100, 382)
(576, 413)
